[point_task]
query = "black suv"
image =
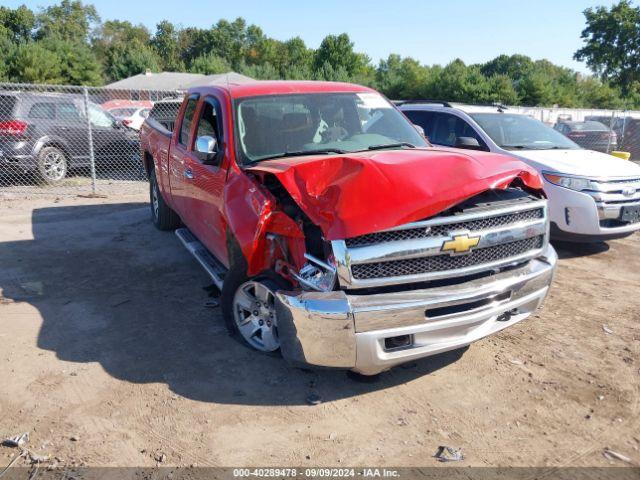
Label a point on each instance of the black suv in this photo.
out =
(47, 134)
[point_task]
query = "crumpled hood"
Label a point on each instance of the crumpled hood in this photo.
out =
(359, 193)
(586, 163)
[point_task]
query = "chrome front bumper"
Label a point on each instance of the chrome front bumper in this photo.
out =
(341, 330)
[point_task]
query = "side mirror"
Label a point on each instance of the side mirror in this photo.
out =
(469, 143)
(207, 149)
(420, 130)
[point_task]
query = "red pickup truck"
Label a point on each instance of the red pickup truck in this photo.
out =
(334, 230)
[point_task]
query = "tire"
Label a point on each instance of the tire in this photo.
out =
(52, 166)
(162, 216)
(248, 306)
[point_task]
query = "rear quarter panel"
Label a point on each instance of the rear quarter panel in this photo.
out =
(157, 145)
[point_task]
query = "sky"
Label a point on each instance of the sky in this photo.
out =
(433, 32)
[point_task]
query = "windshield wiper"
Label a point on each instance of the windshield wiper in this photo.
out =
(391, 145)
(517, 147)
(301, 153)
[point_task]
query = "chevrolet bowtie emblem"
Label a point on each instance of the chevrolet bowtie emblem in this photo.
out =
(460, 244)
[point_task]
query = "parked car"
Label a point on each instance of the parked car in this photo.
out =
(627, 130)
(589, 134)
(131, 117)
(336, 233)
(592, 196)
(47, 134)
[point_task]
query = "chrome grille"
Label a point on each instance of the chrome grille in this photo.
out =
(417, 266)
(443, 230)
(469, 242)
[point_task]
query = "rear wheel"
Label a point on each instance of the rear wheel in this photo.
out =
(52, 165)
(163, 217)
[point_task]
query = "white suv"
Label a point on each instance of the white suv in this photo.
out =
(592, 196)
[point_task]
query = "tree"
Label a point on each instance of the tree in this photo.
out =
(513, 66)
(593, 93)
(209, 64)
(165, 43)
(265, 71)
(501, 90)
(535, 90)
(78, 63)
(117, 31)
(71, 20)
(192, 43)
(17, 24)
(128, 59)
(612, 43)
(32, 63)
(336, 53)
(228, 40)
(402, 78)
(7, 52)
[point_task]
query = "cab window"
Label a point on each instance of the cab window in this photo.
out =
(209, 122)
(448, 128)
(423, 119)
(187, 121)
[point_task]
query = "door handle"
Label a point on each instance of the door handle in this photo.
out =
(188, 173)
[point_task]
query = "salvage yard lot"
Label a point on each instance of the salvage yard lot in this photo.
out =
(106, 338)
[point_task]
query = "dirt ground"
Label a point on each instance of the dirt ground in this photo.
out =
(109, 356)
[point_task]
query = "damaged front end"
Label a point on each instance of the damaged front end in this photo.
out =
(368, 298)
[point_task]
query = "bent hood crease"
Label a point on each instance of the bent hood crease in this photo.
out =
(355, 194)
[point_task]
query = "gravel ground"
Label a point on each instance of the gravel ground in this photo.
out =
(109, 356)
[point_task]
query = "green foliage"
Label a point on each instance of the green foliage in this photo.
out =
(78, 64)
(67, 43)
(165, 43)
(17, 24)
(33, 63)
(71, 20)
(336, 53)
(612, 44)
(7, 51)
(124, 60)
(210, 63)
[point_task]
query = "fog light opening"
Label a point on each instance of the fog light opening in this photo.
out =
(506, 316)
(395, 343)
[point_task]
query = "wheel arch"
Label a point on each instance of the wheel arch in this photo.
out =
(56, 142)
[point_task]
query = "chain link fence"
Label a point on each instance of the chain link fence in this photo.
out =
(85, 140)
(606, 131)
(74, 140)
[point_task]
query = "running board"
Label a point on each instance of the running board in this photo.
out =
(212, 265)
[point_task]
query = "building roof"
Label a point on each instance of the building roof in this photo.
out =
(157, 81)
(282, 87)
(229, 78)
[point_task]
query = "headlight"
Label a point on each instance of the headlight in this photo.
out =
(316, 275)
(573, 183)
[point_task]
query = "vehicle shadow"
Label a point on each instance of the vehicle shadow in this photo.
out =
(568, 250)
(112, 289)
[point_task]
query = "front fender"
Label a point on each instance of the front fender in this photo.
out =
(251, 213)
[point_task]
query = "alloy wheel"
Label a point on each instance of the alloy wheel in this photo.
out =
(255, 316)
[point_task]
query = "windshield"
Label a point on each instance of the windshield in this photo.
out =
(587, 127)
(99, 117)
(512, 131)
(290, 125)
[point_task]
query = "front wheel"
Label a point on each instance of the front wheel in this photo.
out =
(254, 315)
